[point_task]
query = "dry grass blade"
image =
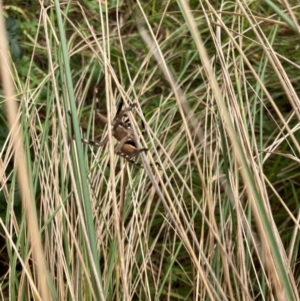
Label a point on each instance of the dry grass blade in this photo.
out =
(22, 165)
(218, 216)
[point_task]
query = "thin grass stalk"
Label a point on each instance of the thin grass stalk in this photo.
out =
(81, 175)
(259, 210)
(21, 164)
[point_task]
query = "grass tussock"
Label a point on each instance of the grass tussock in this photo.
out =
(214, 213)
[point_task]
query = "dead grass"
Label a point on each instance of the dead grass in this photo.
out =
(218, 216)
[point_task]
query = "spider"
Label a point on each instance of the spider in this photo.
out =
(122, 131)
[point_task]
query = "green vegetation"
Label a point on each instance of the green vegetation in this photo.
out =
(217, 216)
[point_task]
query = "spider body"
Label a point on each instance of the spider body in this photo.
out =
(121, 131)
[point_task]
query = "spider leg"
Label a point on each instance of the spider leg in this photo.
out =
(120, 107)
(118, 119)
(121, 113)
(135, 163)
(95, 143)
(121, 144)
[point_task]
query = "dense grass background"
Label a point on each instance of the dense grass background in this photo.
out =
(217, 85)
